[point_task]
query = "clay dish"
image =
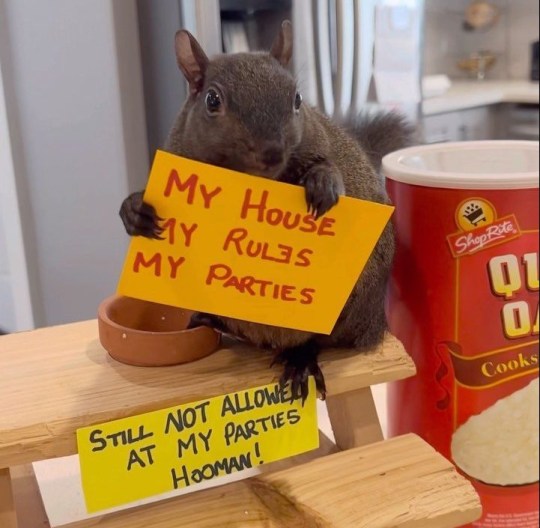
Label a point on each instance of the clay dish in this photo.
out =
(148, 334)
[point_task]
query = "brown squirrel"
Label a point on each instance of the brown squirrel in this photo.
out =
(244, 113)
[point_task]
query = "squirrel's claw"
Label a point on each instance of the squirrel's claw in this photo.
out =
(140, 218)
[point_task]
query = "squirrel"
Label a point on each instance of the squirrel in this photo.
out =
(244, 112)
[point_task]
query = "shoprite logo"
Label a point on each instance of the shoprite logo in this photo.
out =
(480, 228)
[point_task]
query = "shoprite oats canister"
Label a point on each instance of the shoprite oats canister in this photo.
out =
(463, 298)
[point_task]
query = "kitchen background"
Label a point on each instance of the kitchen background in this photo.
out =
(504, 107)
(88, 90)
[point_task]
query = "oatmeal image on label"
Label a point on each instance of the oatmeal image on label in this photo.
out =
(500, 445)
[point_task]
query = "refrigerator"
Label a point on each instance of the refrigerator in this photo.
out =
(348, 55)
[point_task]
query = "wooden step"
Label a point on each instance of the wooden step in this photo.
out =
(400, 482)
(57, 379)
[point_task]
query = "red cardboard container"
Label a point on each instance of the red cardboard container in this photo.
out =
(463, 299)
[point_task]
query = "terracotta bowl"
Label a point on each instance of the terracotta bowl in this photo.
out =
(148, 334)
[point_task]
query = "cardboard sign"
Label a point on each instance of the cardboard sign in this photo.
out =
(245, 247)
(148, 454)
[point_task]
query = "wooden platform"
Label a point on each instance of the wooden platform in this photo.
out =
(55, 380)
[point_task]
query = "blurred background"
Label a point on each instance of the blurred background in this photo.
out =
(89, 90)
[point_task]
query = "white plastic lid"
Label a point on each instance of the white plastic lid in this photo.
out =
(499, 164)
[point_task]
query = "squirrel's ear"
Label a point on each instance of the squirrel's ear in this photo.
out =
(282, 47)
(191, 59)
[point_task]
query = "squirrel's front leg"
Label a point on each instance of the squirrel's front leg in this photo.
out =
(324, 184)
(140, 218)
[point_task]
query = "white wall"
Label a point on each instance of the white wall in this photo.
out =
(74, 84)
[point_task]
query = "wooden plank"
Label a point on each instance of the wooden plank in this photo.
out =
(8, 517)
(55, 380)
(354, 418)
(399, 483)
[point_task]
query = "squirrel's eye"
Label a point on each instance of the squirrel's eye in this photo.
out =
(297, 101)
(213, 101)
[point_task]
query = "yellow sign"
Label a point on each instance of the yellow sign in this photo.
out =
(145, 455)
(245, 247)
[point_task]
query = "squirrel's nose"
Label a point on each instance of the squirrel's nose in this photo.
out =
(272, 155)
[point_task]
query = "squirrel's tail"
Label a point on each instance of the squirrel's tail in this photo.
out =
(380, 133)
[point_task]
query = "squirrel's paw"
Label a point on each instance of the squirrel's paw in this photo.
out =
(299, 363)
(140, 218)
(323, 186)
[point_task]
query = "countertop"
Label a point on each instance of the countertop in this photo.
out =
(468, 94)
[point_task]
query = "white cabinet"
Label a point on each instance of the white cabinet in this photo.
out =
(440, 128)
(463, 125)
